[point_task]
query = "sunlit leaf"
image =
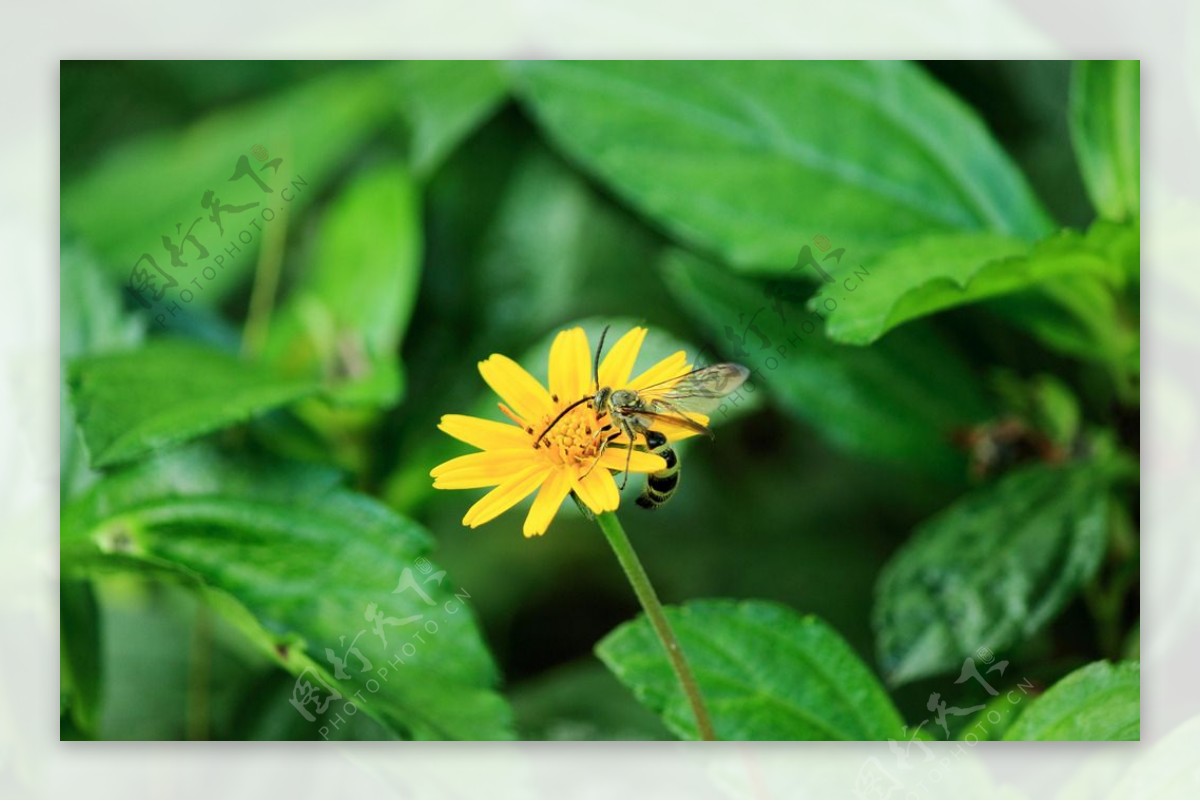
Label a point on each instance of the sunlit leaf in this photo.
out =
(1101, 701)
(1106, 131)
(129, 404)
(865, 301)
(766, 673)
(749, 160)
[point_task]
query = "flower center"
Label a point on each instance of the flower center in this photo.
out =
(576, 438)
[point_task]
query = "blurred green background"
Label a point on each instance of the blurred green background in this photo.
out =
(509, 240)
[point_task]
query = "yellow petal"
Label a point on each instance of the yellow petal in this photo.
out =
(507, 495)
(639, 461)
(482, 469)
(483, 434)
(673, 366)
(547, 503)
(598, 490)
(515, 386)
(570, 365)
(618, 364)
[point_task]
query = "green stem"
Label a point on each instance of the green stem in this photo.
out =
(632, 566)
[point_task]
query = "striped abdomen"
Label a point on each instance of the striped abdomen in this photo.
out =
(660, 486)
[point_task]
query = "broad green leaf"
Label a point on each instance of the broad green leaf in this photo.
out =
(345, 318)
(940, 272)
(92, 321)
(1101, 701)
(169, 391)
(766, 673)
(140, 192)
(309, 571)
(1089, 316)
(443, 102)
(899, 401)
(1106, 131)
(991, 570)
(749, 160)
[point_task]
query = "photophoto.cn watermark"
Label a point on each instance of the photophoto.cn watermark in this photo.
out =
(915, 767)
(218, 234)
(314, 697)
(800, 316)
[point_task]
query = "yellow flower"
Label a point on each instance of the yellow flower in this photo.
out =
(511, 460)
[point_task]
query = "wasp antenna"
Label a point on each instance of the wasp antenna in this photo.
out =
(596, 363)
(554, 422)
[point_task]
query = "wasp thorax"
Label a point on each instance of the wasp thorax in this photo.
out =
(624, 397)
(575, 439)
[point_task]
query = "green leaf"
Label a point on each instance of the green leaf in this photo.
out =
(443, 102)
(991, 570)
(1101, 701)
(141, 191)
(129, 404)
(748, 160)
(1086, 314)
(346, 316)
(1105, 128)
(80, 654)
(940, 272)
(92, 321)
(766, 673)
(898, 401)
(297, 562)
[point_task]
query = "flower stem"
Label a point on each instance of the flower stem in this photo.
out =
(632, 566)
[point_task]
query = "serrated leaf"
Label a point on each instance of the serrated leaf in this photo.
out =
(766, 673)
(129, 404)
(141, 191)
(990, 570)
(1106, 131)
(749, 160)
(944, 271)
(443, 102)
(308, 570)
(1101, 701)
(898, 401)
(345, 325)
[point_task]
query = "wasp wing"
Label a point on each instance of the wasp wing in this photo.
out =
(701, 390)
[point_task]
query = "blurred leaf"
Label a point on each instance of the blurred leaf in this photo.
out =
(766, 673)
(557, 248)
(443, 102)
(1106, 131)
(80, 644)
(898, 401)
(1101, 701)
(991, 570)
(141, 191)
(346, 316)
(169, 391)
(304, 567)
(92, 321)
(582, 701)
(940, 272)
(749, 159)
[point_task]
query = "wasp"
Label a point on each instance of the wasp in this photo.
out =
(633, 412)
